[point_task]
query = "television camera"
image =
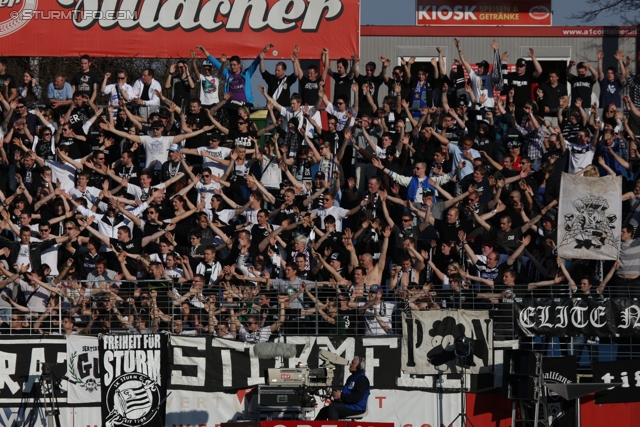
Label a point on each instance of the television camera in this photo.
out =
(295, 387)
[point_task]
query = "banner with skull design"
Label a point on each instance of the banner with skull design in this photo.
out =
(589, 217)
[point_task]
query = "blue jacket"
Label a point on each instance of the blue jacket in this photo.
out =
(356, 392)
(246, 73)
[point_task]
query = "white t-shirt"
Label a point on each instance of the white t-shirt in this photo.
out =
(217, 169)
(581, 156)
(209, 90)
(338, 213)
(224, 215)
(36, 298)
(143, 193)
(176, 273)
(271, 173)
(50, 257)
(341, 116)
(113, 93)
(251, 216)
(207, 190)
(64, 172)
(156, 149)
(371, 325)
(90, 194)
(287, 113)
(23, 256)
(482, 85)
(261, 335)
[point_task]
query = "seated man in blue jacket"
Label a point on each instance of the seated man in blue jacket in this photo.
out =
(352, 400)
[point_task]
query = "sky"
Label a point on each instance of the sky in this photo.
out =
(402, 12)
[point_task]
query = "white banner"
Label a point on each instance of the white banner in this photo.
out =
(428, 341)
(589, 217)
(83, 368)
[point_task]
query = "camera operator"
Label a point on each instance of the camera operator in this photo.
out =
(352, 400)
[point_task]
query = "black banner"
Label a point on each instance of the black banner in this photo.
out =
(561, 370)
(21, 366)
(626, 372)
(134, 380)
(571, 317)
(211, 364)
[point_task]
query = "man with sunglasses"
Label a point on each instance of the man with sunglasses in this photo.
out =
(211, 154)
(337, 212)
(180, 82)
(243, 136)
(29, 119)
(253, 330)
(238, 80)
(155, 145)
(117, 90)
(209, 83)
(26, 252)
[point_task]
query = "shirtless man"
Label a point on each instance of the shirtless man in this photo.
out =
(374, 272)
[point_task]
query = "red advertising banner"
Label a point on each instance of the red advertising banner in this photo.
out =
(483, 12)
(171, 28)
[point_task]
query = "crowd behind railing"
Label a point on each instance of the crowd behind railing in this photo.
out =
(353, 211)
(92, 307)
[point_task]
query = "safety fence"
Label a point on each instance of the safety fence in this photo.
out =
(606, 327)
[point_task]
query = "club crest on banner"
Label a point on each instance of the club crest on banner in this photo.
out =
(591, 226)
(589, 217)
(132, 400)
(134, 385)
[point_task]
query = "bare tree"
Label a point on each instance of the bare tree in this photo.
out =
(626, 9)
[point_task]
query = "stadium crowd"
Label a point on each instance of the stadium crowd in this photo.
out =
(166, 213)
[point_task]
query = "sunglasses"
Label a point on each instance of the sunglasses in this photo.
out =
(206, 176)
(122, 78)
(157, 128)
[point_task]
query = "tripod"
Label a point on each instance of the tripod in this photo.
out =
(462, 346)
(44, 399)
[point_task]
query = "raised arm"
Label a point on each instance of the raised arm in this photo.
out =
(182, 137)
(111, 128)
(608, 277)
(514, 256)
(538, 68)
(149, 239)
